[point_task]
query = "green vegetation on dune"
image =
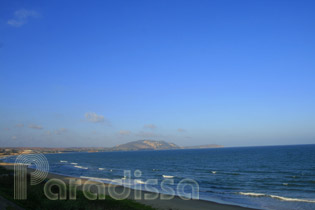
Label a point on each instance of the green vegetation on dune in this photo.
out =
(36, 198)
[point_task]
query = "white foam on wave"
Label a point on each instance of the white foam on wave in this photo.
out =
(63, 161)
(81, 167)
(276, 197)
(252, 194)
(96, 178)
(74, 163)
(139, 181)
(124, 182)
(214, 172)
(167, 176)
(101, 169)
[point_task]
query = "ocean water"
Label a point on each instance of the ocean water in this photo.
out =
(271, 177)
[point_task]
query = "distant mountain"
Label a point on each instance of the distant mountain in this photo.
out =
(130, 146)
(145, 145)
(156, 145)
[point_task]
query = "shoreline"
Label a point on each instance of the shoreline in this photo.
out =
(175, 203)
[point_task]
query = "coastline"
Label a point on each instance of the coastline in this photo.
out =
(175, 203)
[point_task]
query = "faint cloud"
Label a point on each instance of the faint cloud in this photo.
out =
(7, 129)
(124, 132)
(38, 127)
(150, 126)
(146, 134)
(61, 131)
(13, 137)
(181, 130)
(95, 118)
(48, 133)
(21, 17)
(20, 125)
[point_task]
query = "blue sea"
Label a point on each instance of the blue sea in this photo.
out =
(271, 177)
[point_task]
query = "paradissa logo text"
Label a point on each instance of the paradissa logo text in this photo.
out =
(95, 188)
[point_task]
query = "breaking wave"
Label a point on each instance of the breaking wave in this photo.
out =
(276, 197)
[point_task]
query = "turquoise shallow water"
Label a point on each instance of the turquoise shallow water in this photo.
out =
(273, 177)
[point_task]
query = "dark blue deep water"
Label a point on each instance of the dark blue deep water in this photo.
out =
(273, 177)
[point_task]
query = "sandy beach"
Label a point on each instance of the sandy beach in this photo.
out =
(174, 203)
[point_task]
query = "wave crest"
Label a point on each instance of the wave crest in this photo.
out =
(81, 167)
(276, 197)
(167, 176)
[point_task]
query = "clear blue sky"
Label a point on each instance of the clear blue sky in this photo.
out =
(82, 73)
